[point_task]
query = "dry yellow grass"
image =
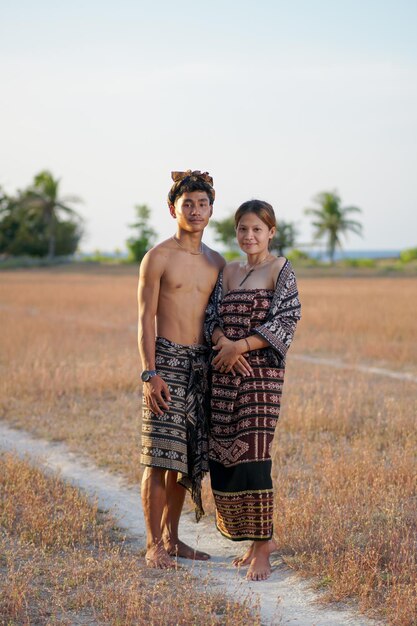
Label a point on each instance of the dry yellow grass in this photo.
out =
(371, 320)
(63, 563)
(68, 364)
(344, 458)
(345, 475)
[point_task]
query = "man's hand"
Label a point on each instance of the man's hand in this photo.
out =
(156, 395)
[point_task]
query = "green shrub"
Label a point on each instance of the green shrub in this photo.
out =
(298, 255)
(359, 263)
(408, 255)
(302, 259)
(233, 255)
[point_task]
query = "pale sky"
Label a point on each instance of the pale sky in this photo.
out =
(278, 100)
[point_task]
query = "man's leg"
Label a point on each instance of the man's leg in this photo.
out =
(175, 494)
(153, 493)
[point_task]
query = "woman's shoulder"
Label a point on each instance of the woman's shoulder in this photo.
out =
(279, 262)
(231, 267)
(229, 272)
(277, 265)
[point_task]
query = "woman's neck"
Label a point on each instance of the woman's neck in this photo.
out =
(256, 259)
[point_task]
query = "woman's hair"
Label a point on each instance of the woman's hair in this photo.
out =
(262, 209)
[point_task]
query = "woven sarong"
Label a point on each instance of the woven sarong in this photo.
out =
(244, 413)
(177, 440)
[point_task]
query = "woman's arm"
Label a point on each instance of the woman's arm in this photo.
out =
(285, 312)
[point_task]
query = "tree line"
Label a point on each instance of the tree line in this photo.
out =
(37, 221)
(331, 221)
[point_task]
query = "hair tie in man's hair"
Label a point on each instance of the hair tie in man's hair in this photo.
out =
(180, 176)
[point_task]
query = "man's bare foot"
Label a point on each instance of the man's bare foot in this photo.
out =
(245, 559)
(180, 549)
(157, 557)
(260, 567)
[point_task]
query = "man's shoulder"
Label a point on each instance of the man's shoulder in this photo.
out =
(161, 249)
(214, 257)
(157, 257)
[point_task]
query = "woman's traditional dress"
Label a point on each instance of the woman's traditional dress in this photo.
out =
(245, 410)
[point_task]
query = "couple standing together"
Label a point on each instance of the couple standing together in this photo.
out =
(220, 417)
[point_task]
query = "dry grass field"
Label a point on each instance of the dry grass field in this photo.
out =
(62, 562)
(344, 459)
(366, 320)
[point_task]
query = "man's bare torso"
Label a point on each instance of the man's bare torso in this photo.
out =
(185, 287)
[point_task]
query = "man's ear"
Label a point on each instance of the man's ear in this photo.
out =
(211, 210)
(172, 211)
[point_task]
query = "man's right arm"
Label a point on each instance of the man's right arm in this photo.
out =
(155, 391)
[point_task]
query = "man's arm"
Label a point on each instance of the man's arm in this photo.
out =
(155, 391)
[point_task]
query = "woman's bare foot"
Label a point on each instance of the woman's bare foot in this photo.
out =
(157, 557)
(180, 549)
(260, 567)
(245, 559)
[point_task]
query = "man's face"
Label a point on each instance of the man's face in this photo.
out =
(192, 211)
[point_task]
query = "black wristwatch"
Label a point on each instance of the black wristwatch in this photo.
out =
(147, 375)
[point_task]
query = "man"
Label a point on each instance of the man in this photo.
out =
(175, 282)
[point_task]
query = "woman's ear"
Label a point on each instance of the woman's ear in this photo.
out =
(272, 233)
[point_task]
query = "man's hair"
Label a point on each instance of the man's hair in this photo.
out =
(190, 181)
(262, 209)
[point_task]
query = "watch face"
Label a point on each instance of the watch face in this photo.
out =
(147, 375)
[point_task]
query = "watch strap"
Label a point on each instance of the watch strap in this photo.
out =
(147, 375)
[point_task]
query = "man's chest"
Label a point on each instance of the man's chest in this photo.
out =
(190, 279)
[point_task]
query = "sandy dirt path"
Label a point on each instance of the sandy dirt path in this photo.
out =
(365, 369)
(283, 599)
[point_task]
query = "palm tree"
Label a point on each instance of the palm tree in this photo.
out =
(42, 198)
(332, 221)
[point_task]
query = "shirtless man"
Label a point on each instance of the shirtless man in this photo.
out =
(176, 280)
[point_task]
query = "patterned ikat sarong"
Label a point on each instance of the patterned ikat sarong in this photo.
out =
(244, 413)
(177, 440)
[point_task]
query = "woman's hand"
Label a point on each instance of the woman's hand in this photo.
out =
(230, 357)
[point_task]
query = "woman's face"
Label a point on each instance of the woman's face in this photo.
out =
(253, 235)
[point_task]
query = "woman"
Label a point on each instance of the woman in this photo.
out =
(253, 312)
